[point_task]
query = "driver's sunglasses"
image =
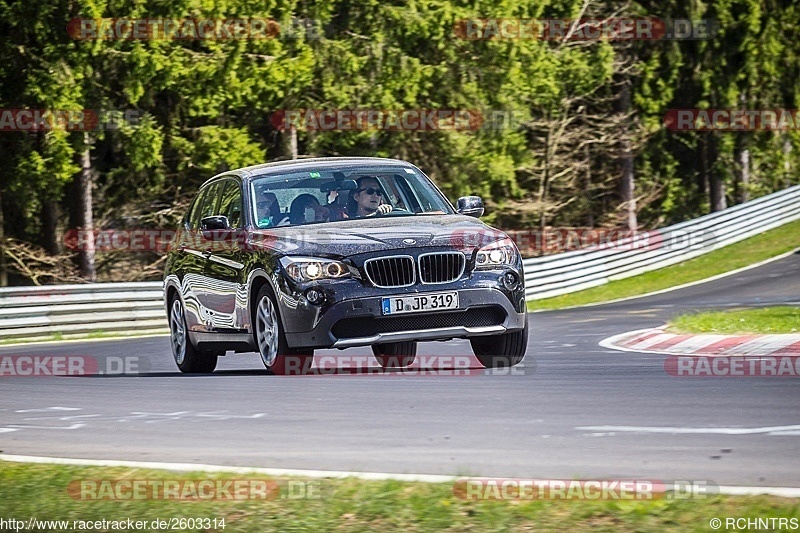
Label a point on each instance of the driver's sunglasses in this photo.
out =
(262, 205)
(371, 191)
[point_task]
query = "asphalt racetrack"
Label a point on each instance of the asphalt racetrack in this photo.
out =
(572, 409)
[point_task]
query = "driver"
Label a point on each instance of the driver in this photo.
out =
(269, 211)
(368, 198)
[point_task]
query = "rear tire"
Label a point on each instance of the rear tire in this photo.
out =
(271, 340)
(501, 351)
(395, 354)
(189, 359)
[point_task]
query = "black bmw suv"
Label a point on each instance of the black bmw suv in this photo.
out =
(286, 257)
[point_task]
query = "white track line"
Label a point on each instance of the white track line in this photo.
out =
(786, 492)
(692, 431)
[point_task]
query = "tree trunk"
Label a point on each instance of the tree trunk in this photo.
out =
(716, 186)
(717, 192)
(84, 213)
(742, 157)
(701, 177)
(293, 140)
(787, 162)
(627, 188)
(544, 183)
(3, 271)
(49, 217)
(627, 185)
(588, 186)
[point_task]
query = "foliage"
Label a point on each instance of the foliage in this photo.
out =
(203, 106)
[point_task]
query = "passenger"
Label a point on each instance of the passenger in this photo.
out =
(367, 200)
(337, 204)
(305, 208)
(269, 210)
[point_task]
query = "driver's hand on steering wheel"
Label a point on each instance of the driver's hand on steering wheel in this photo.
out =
(383, 209)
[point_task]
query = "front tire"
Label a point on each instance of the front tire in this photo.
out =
(501, 351)
(189, 359)
(395, 354)
(271, 340)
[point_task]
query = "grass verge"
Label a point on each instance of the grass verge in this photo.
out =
(740, 321)
(741, 254)
(40, 491)
(99, 334)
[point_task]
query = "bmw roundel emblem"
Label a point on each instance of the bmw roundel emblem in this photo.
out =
(409, 241)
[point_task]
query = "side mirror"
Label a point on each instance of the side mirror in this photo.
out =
(214, 223)
(471, 206)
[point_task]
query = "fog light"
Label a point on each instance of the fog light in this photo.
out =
(315, 296)
(509, 280)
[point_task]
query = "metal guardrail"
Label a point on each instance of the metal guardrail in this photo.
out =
(33, 313)
(577, 270)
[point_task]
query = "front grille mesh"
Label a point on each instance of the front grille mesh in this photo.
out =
(367, 326)
(400, 270)
(395, 271)
(441, 268)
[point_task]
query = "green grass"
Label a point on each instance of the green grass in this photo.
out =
(354, 505)
(740, 321)
(758, 248)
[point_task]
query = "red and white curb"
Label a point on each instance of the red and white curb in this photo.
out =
(656, 340)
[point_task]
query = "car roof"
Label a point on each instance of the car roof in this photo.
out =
(299, 164)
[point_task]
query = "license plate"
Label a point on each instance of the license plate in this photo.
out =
(396, 305)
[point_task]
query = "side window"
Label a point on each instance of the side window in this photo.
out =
(394, 196)
(207, 206)
(193, 218)
(420, 202)
(231, 203)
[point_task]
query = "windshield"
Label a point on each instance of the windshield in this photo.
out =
(330, 195)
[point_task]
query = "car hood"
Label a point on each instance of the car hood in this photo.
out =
(351, 237)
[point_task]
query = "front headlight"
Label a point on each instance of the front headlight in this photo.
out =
(302, 269)
(497, 254)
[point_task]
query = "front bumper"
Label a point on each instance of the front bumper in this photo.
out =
(359, 321)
